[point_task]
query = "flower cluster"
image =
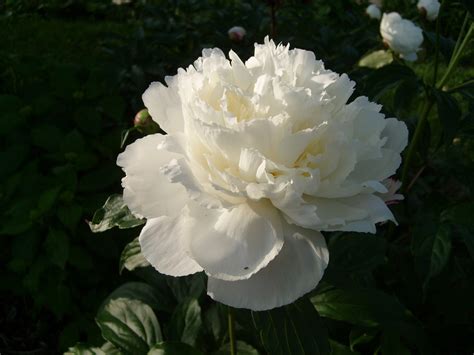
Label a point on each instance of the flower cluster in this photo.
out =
(260, 157)
(402, 35)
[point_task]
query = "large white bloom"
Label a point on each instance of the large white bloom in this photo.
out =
(431, 7)
(402, 36)
(259, 158)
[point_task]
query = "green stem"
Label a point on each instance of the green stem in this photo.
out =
(435, 74)
(460, 86)
(461, 33)
(430, 102)
(230, 325)
(456, 56)
(414, 141)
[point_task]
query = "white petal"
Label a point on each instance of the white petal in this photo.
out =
(410, 57)
(179, 172)
(294, 272)
(358, 213)
(376, 169)
(164, 105)
(397, 135)
(235, 243)
(160, 242)
(147, 192)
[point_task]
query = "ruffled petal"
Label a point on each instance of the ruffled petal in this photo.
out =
(164, 105)
(147, 191)
(234, 243)
(160, 242)
(294, 272)
(358, 213)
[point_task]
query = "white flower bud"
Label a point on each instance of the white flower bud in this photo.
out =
(237, 33)
(374, 12)
(402, 36)
(429, 8)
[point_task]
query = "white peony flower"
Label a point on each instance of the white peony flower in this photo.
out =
(430, 8)
(237, 33)
(402, 36)
(373, 11)
(259, 158)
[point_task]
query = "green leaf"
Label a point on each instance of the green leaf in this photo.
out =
(57, 247)
(73, 142)
(386, 78)
(392, 344)
(12, 157)
(376, 59)
(187, 286)
(173, 348)
(47, 137)
(130, 325)
(293, 329)
(241, 347)
(339, 349)
(70, 216)
(467, 237)
(139, 291)
(431, 253)
(361, 336)
(88, 120)
(216, 322)
(83, 349)
(353, 252)
(110, 349)
(446, 45)
(186, 322)
(365, 307)
(80, 258)
(353, 258)
(131, 257)
(405, 94)
(449, 114)
(469, 4)
(460, 214)
(48, 198)
(114, 213)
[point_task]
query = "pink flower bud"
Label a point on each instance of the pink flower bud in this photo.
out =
(144, 123)
(391, 197)
(237, 33)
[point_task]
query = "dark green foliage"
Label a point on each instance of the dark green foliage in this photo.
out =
(292, 329)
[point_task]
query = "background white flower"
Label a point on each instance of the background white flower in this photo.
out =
(373, 11)
(259, 158)
(401, 35)
(121, 2)
(430, 7)
(237, 33)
